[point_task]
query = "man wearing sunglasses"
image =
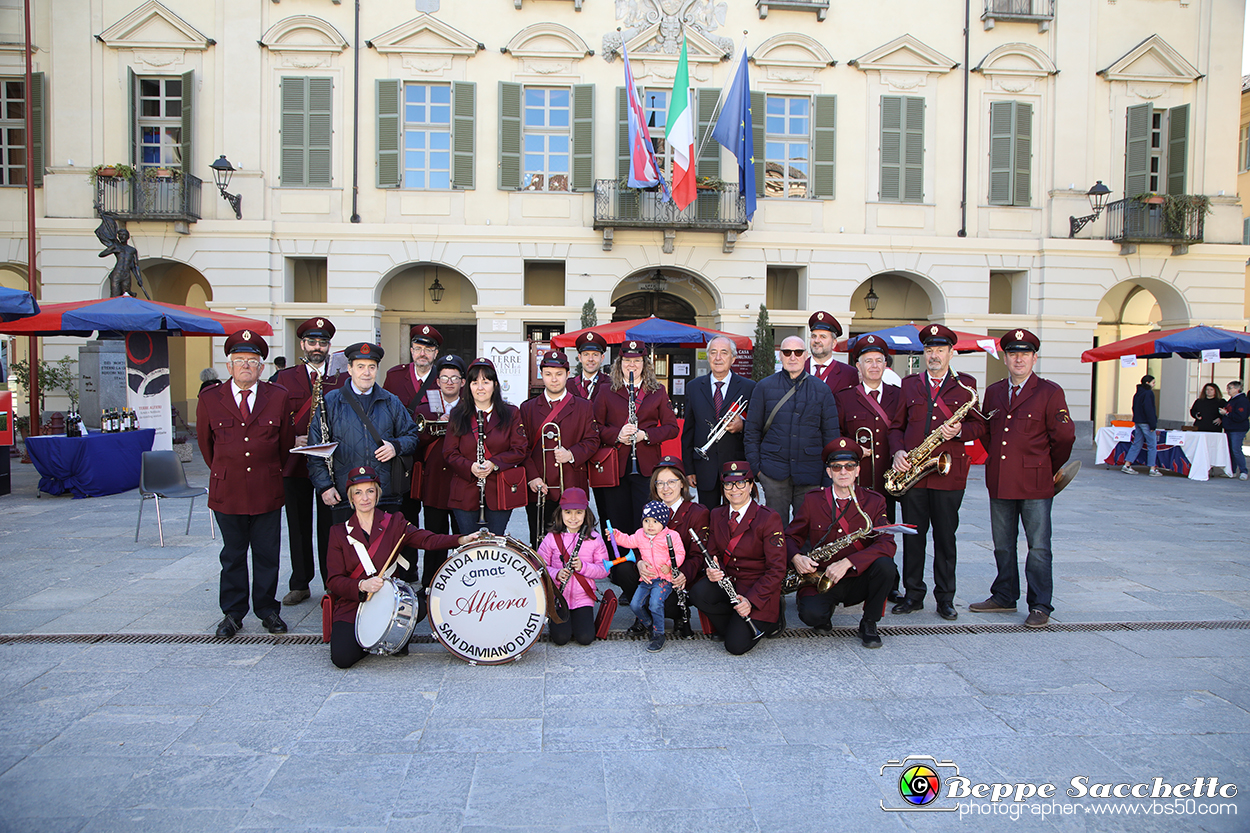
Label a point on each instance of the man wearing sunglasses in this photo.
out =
(792, 416)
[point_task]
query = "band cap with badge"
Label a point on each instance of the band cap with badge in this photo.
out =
(632, 350)
(481, 361)
(841, 449)
(821, 320)
(735, 471)
(554, 358)
(247, 341)
(1019, 341)
(425, 334)
(868, 343)
(316, 328)
(671, 462)
(591, 341)
(938, 335)
(364, 350)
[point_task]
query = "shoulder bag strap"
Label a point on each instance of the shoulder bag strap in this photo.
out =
(397, 465)
(783, 400)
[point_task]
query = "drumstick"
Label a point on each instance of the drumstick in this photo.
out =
(394, 552)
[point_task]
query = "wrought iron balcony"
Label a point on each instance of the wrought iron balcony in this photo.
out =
(616, 206)
(1040, 12)
(1176, 222)
(144, 197)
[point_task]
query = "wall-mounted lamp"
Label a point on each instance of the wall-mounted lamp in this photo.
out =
(1097, 201)
(222, 171)
(871, 299)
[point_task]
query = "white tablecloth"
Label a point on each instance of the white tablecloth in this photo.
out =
(1205, 450)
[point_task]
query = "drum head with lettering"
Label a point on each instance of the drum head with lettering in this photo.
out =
(487, 602)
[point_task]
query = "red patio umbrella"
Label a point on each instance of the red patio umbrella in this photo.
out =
(129, 314)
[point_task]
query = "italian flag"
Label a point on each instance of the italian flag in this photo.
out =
(679, 133)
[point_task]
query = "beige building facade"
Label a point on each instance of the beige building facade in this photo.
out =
(478, 146)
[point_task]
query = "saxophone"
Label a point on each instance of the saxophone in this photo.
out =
(825, 553)
(319, 408)
(898, 482)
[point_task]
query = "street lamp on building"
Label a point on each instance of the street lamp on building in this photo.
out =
(871, 299)
(436, 290)
(222, 171)
(1097, 201)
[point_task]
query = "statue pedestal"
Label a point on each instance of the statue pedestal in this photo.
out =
(102, 379)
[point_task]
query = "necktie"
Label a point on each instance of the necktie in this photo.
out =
(314, 377)
(876, 394)
(842, 506)
(718, 399)
(733, 523)
(822, 371)
(1015, 391)
(935, 387)
(243, 408)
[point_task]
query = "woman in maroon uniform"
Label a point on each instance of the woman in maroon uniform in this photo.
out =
(669, 484)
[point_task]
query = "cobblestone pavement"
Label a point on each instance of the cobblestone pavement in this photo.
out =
(199, 735)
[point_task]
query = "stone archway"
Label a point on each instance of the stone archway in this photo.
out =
(406, 299)
(16, 349)
(902, 298)
(1131, 308)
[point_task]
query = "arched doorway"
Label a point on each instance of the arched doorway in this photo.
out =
(14, 348)
(901, 299)
(1127, 309)
(428, 293)
(171, 282)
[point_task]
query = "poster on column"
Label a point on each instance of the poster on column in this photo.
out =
(147, 385)
(511, 360)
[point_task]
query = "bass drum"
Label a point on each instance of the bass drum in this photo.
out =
(488, 601)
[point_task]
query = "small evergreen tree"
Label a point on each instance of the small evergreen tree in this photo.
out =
(765, 355)
(589, 317)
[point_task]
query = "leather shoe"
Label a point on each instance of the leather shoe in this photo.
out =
(990, 606)
(868, 634)
(906, 605)
(781, 622)
(893, 596)
(1038, 618)
(823, 627)
(637, 627)
(947, 611)
(683, 630)
(228, 627)
(274, 624)
(295, 597)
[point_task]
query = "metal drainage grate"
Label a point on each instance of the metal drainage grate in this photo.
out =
(617, 636)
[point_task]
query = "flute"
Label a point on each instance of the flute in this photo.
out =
(724, 584)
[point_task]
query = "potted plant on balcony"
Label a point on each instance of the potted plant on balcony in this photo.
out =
(162, 173)
(1177, 211)
(115, 170)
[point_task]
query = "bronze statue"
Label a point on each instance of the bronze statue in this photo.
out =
(117, 242)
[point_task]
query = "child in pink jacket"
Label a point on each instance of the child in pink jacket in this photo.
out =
(581, 556)
(652, 543)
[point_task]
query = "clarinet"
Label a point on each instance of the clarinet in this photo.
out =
(724, 584)
(633, 420)
(581, 539)
(683, 602)
(481, 461)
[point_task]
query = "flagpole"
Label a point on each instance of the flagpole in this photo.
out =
(720, 100)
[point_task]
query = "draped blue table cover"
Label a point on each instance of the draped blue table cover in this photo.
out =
(91, 466)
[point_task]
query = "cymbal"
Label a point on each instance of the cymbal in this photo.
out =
(1066, 474)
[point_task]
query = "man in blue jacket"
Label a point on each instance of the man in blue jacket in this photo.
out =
(791, 418)
(1144, 423)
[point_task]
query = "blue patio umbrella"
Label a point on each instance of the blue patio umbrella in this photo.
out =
(1190, 343)
(128, 314)
(904, 339)
(16, 303)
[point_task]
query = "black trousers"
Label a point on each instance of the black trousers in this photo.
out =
(550, 507)
(580, 627)
(713, 604)
(711, 498)
(262, 534)
(443, 522)
(345, 651)
(300, 502)
(940, 509)
(869, 588)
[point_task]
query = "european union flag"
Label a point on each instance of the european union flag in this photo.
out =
(733, 130)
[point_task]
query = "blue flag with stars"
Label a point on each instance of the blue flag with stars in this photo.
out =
(733, 130)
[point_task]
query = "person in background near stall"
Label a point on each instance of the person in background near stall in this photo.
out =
(825, 332)
(434, 487)
(209, 378)
(574, 567)
(708, 398)
(301, 504)
(279, 365)
(245, 437)
(1030, 438)
(1208, 408)
(1236, 422)
(410, 382)
(1144, 422)
(590, 381)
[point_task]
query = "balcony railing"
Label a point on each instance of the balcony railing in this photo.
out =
(1029, 11)
(141, 197)
(617, 206)
(1178, 221)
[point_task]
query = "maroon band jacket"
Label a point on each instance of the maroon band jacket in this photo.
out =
(578, 433)
(1029, 440)
(655, 416)
(245, 458)
(811, 527)
(506, 447)
(855, 413)
(911, 426)
(757, 564)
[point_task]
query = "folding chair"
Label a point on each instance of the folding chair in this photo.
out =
(161, 476)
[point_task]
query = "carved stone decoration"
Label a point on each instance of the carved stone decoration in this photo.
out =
(667, 17)
(151, 27)
(1143, 91)
(160, 58)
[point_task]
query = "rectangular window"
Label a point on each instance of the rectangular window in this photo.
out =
(12, 132)
(547, 140)
(1011, 155)
(1156, 150)
(159, 125)
(1243, 149)
(902, 149)
(427, 136)
(655, 106)
(787, 145)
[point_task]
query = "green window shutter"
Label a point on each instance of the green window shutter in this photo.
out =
(891, 148)
(757, 138)
(1023, 186)
(1002, 146)
(132, 96)
(1178, 148)
(824, 146)
(509, 136)
(913, 149)
(293, 168)
(1137, 150)
(320, 129)
(389, 91)
(583, 137)
(187, 132)
(39, 127)
(463, 134)
(708, 163)
(622, 134)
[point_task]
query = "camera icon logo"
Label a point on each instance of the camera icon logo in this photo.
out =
(917, 783)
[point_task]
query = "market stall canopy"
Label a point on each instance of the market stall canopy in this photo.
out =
(127, 314)
(906, 339)
(1186, 342)
(17, 303)
(653, 331)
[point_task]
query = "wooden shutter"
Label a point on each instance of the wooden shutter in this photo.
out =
(583, 137)
(622, 135)
(293, 167)
(891, 148)
(1022, 188)
(509, 136)
(1137, 150)
(187, 133)
(463, 135)
(758, 135)
(1178, 148)
(1002, 144)
(39, 127)
(389, 94)
(824, 147)
(708, 163)
(913, 149)
(320, 129)
(132, 97)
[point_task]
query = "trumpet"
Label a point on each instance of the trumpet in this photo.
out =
(737, 409)
(436, 427)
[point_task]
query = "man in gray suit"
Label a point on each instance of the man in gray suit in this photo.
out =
(707, 400)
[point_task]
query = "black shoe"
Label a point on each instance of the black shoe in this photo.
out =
(868, 634)
(656, 644)
(893, 596)
(637, 627)
(229, 627)
(274, 624)
(716, 637)
(781, 622)
(823, 627)
(947, 611)
(683, 630)
(906, 605)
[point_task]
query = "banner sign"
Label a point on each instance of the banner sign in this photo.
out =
(147, 385)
